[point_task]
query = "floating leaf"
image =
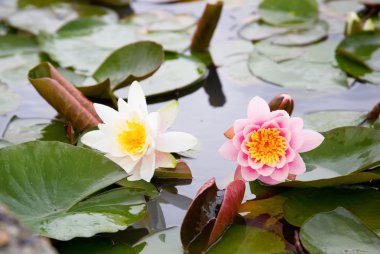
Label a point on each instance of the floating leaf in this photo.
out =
(9, 101)
(298, 73)
(338, 231)
(20, 130)
(344, 151)
(52, 17)
(14, 68)
(53, 203)
(181, 171)
(134, 61)
(4, 143)
(211, 212)
(341, 8)
(165, 241)
(141, 185)
(63, 96)
(363, 202)
(15, 44)
(225, 53)
(258, 30)
(177, 72)
(246, 240)
(287, 13)
(303, 37)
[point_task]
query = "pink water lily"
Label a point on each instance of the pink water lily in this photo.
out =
(266, 145)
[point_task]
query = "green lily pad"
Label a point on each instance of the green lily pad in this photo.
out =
(20, 130)
(338, 231)
(4, 143)
(52, 17)
(141, 185)
(341, 8)
(14, 68)
(9, 101)
(301, 204)
(288, 13)
(13, 44)
(177, 72)
(246, 240)
(303, 37)
(327, 120)
(165, 241)
(39, 188)
(344, 151)
(298, 73)
(258, 30)
(134, 61)
(7, 8)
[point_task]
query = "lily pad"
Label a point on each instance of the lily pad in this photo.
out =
(177, 72)
(14, 68)
(20, 130)
(94, 245)
(288, 13)
(258, 30)
(327, 120)
(13, 44)
(338, 231)
(9, 101)
(246, 240)
(52, 203)
(344, 151)
(303, 37)
(52, 17)
(301, 204)
(298, 73)
(4, 143)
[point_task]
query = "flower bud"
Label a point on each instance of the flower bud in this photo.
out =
(374, 114)
(353, 24)
(282, 101)
(369, 25)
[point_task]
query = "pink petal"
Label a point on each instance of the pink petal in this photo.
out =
(297, 166)
(296, 125)
(268, 180)
(270, 124)
(282, 121)
(228, 151)
(242, 159)
(258, 110)
(238, 139)
(282, 162)
(249, 174)
(254, 164)
(240, 124)
(280, 174)
(250, 128)
(312, 139)
(290, 154)
(286, 133)
(265, 170)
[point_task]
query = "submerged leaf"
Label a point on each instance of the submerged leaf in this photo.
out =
(9, 101)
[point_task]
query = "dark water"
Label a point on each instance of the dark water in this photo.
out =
(210, 110)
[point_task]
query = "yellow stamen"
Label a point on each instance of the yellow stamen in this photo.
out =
(266, 146)
(133, 139)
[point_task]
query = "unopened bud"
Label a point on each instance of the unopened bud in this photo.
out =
(374, 114)
(282, 101)
(369, 25)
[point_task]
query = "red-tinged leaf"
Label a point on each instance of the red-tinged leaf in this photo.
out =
(63, 96)
(233, 197)
(210, 213)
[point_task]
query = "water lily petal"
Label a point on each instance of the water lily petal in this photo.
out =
(258, 110)
(228, 151)
(268, 180)
(168, 114)
(249, 174)
(242, 159)
(172, 142)
(312, 139)
(265, 170)
(124, 108)
(240, 124)
(107, 114)
(280, 174)
(153, 120)
(125, 162)
(96, 139)
(148, 166)
(136, 98)
(165, 160)
(297, 166)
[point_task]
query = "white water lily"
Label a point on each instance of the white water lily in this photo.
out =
(136, 139)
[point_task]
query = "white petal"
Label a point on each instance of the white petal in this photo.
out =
(165, 160)
(136, 98)
(135, 174)
(97, 140)
(168, 114)
(154, 123)
(125, 162)
(124, 108)
(148, 166)
(107, 114)
(172, 142)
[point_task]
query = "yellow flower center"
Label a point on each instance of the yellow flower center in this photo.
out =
(266, 146)
(133, 140)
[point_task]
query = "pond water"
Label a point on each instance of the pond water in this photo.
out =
(210, 110)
